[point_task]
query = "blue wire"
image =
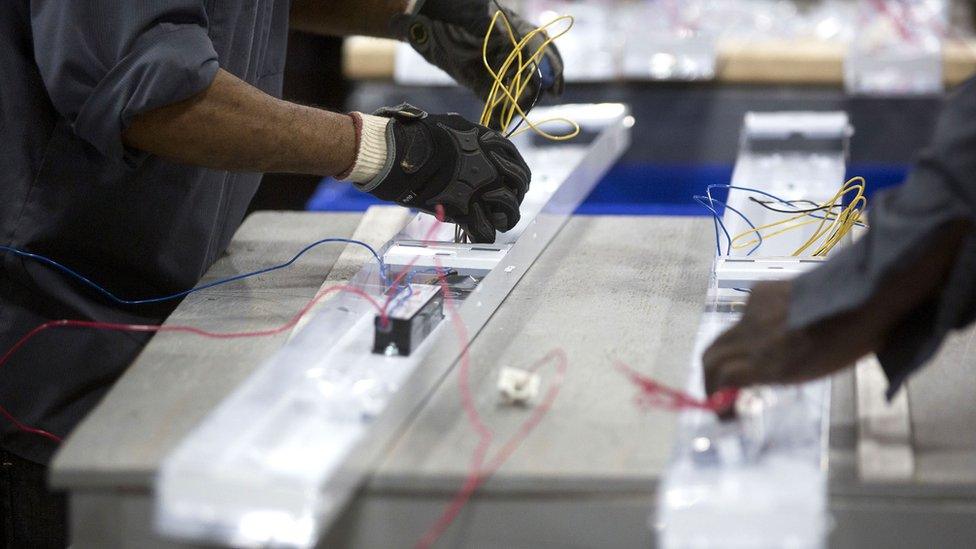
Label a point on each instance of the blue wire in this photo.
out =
(708, 191)
(701, 200)
(751, 226)
(717, 220)
(87, 282)
(408, 281)
(408, 286)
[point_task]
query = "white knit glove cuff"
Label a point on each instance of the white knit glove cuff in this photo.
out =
(372, 154)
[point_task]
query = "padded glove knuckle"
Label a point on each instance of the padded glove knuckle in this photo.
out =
(478, 225)
(504, 206)
(517, 175)
(475, 174)
(472, 172)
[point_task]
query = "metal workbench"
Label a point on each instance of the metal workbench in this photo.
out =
(607, 288)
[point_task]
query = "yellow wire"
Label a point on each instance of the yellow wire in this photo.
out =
(840, 224)
(519, 70)
(504, 96)
(515, 55)
(848, 226)
(844, 221)
(755, 241)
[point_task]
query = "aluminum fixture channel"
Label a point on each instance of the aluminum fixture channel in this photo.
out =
(464, 258)
(884, 428)
(793, 156)
(745, 272)
(277, 461)
(759, 481)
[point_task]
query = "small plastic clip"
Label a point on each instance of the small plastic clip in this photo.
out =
(518, 387)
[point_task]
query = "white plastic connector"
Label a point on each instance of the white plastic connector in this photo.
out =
(518, 387)
(465, 258)
(745, 272)
(811, 125)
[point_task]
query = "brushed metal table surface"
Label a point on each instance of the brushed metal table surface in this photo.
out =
(178, 379)
(936, 505)
(608, 288)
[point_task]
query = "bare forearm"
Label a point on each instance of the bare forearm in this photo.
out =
(346, 17)
(236, 127)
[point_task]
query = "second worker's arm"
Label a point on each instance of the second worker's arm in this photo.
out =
(898, 291)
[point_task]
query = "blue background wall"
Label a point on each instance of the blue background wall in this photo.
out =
(687, 137)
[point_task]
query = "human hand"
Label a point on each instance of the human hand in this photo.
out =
(763, 349)
(450, 34)
(474, 173)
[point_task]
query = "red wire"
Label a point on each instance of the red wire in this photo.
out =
(655, 394)
(27, 428)
(149, 328)
(658, 395)
(478, 473)
(884, 9)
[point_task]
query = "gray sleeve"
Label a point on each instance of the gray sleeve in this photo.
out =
(105, 61)
(941, 189)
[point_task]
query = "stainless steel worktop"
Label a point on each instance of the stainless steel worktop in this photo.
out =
(607, 288)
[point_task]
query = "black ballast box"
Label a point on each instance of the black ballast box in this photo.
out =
(410, 321)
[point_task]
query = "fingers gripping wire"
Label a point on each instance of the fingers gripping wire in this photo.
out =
(516, 73)
(511, 79)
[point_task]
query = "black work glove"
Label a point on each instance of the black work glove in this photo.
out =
(450, 34)
(476, 174)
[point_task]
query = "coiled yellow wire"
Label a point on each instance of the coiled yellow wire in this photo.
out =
(511, 79)
(515, 74)
(831, 228)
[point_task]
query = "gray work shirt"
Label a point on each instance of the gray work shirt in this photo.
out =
(941, 189)
(73, 74)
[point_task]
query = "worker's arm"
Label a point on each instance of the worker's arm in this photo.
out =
(449, 34)
(149, 81)
(403, 155)
(898, 291)
(233, 126)
(763, 348)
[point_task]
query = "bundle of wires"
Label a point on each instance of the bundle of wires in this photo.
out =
(836, 219)
(513, 77)
(833, 219)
